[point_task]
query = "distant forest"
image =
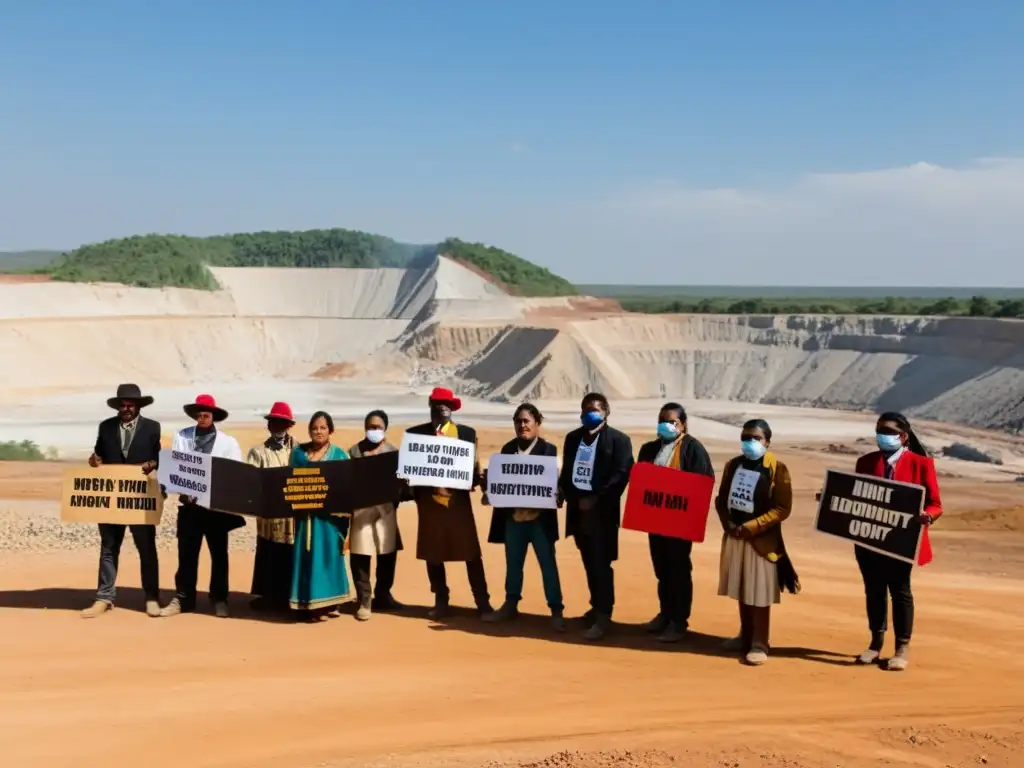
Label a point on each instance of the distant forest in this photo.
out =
(153, 261)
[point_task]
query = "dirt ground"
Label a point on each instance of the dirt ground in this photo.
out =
(401, 690)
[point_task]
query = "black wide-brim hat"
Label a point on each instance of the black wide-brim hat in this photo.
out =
(129, 392)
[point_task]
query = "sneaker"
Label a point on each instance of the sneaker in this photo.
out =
(658, 624)
(173, 608)
(220, 609)
(672, 634)
(439, 611)
(385, 603)
(597, 630)
(98, 608)
(509, 610)
(733, 644)
(900, 661)
(757, 656)
(363, 612)
(152, 608)
(558, 622)
(870, 656)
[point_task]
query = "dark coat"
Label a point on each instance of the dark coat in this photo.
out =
(447, 533)
(693, 457)
(612, 464)
(145, 443)
(548, 517)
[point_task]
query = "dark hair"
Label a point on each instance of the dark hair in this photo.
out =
(326, 417)
(531, 409)
(595, 397)
(901, 421)
(759, 424)
(679, 410)
(379, 414)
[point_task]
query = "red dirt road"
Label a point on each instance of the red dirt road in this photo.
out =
(402, 690)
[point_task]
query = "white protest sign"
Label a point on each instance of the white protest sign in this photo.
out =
(186, 473)
(522, 481)
(437, 462)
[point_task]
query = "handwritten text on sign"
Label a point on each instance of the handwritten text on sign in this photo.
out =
(115, 493)
(881, 515)
(437, 462)
(187, 473)
(522, 482)
(668, 502)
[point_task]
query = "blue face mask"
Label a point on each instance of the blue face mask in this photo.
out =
(592, 419)
(753, 449)
(668, 431)
(888, 443)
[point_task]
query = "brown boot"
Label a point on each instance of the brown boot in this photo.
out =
(98, 608)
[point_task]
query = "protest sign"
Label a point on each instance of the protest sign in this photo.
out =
(668, 502)
(880, 515)
(187, 473)
(522, 482)
(437, 462)
(111, 493)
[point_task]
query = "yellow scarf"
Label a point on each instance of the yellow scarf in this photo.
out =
(442, 495)
(526, 515)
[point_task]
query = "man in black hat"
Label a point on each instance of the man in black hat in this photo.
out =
(128, 438)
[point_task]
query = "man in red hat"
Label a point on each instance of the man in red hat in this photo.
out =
(127, 438)
(196, 523)
(275, 539)
(447, 529)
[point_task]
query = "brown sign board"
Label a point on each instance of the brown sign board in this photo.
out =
(112, 493)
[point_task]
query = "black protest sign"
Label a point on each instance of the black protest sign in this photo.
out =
(330, 487)
(877, 514)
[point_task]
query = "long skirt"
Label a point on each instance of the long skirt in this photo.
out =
(747, 577)
(319, 571)
(272, 571)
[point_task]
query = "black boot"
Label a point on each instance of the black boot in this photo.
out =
(382, 597)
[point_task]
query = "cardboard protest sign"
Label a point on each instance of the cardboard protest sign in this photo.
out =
(522, 482)
(436, 462)
(187, 473)
(668, 502)
(877, 514)
(111, 493)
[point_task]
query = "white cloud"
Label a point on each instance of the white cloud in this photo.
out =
(916, 225)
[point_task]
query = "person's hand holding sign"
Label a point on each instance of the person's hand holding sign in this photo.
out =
(148, 467)
(926, 519)
(95, 461)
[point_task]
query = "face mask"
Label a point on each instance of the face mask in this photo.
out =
(753, 449)
(592, 419)
(668, 431)
(375, 436)
(889, 443)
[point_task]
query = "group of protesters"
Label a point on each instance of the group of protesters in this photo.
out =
(302, 563)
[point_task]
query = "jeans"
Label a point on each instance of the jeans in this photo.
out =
(674, 572)
(518, 538)
(884, 576)
(111, 538)
(361, 572)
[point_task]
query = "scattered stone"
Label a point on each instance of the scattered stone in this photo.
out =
(966, 452)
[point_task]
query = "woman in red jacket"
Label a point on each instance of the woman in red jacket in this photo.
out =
(900, 457)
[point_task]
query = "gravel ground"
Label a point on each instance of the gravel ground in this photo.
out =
(35, 526)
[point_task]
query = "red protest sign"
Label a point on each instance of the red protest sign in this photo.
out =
(668, 502)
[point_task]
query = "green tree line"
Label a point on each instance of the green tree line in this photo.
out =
(152, 261)
(976, 306)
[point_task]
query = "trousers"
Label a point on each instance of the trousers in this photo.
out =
(190, 544)
(385, 577)
(674, 571)
(438, 578)
(518, 538)
(884, 577)
(111, 539)
(597, 562)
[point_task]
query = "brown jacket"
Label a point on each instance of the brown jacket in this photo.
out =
(773, 503)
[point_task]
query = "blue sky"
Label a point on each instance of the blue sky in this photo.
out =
(729, 142)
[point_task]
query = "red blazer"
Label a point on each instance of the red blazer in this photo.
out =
(911, 468)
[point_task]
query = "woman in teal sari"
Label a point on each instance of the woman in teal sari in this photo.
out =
(320, 574)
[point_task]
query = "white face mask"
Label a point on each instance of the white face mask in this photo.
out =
(375, 436)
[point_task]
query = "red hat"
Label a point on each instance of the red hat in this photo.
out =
(445, 396)
(205, 404)
(281, 411)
